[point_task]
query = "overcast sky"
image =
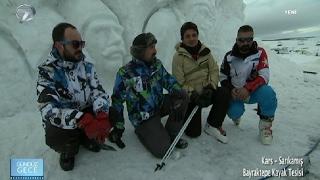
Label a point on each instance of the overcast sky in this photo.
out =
(283, 18)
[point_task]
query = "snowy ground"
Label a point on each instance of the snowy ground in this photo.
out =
(296, 125)
(296, 128)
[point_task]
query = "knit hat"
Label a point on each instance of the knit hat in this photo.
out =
(141, 43)
(186, 26)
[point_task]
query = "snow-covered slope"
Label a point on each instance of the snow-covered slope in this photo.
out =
(295, 130)
(109, 27)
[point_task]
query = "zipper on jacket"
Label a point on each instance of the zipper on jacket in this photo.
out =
(83, 87)
(84, 93)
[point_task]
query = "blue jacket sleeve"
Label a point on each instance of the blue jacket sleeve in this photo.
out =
(169, 82)
(118, 98)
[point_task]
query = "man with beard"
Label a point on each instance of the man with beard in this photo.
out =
(73, 105)
(197, 71)
(140, 84)
(245, 72)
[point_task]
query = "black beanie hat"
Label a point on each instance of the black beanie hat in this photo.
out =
(186, 26)
(140, 44)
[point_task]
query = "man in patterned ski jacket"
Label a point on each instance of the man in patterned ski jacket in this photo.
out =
(140, 84)
(73, 105)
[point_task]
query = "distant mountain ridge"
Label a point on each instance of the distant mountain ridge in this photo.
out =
(292, 38)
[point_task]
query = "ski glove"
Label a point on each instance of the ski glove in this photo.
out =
(195, 96)
(93, 128)
(200, 100)
(103, 117)
(177, 109)
(115, 137)
(206, 96)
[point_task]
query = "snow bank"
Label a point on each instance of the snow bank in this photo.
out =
(109, 28)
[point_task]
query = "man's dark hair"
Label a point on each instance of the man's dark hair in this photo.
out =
(245, 28)
(186, 26)
(58, 31)
(141, 43)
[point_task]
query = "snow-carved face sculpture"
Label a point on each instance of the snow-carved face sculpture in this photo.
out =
(108, 27)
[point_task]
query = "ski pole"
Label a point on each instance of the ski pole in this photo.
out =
(175, 141)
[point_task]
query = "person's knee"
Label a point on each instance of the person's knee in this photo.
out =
(267, 96)
(267, 92)
(234, 115)
(267, 101)
(185, 103)
(235, 112)
(186, 99)
(159, 154)
(161, 151)
(62, 140)
(64, 146)
(180, 97)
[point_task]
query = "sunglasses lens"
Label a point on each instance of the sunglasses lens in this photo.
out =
(77, 44)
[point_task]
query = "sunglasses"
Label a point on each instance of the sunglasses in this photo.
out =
(245, 39)
(75, 44)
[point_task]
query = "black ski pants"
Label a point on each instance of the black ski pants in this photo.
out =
(219, 108)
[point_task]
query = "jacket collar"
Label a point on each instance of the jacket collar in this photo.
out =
(143, 63)
(202, 52)
(54, 57)
(235, 51)
(192, 50)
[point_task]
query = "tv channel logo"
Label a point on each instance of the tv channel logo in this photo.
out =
(291, 12)
(21, 169)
